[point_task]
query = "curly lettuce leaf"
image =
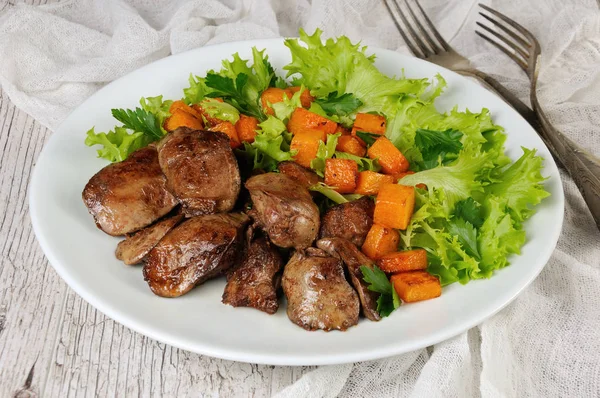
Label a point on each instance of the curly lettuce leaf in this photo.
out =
(455, 182)
(342, 67)
(140, 127)
(476, 237)
(324, 152)
(197, 91)
(271, 145)
(520, 184)
(499, 236)
(283, 109)
(158, 107)
(364, 164)
(117, 144)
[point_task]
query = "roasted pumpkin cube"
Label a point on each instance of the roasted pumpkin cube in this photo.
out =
(394, 205)
(416, 286)
(341, 174)
(380, 241)
(370, 123)
(369, 182)
(350, 144)
(246, 128)
(301, 119)
(184, 107)
(181, 118)
(229, 129)
(306, 142)
(407, 260)
(391, 160)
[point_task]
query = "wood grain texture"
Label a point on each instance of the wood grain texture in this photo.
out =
(54, 344)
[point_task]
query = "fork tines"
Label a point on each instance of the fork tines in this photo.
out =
(516, 42)
(417, 30)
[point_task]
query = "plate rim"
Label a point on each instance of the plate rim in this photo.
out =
(109, 311)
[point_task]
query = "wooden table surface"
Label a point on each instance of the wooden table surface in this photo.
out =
(53, 343)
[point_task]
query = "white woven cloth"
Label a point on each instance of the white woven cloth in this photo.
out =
(545, 344)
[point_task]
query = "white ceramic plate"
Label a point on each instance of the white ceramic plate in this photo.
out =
(199, 322)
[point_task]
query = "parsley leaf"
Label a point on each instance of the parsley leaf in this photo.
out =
(466, 234)
(342, 105)
(438, 146)
(139, 120)
(378, 282)
(368, 138)
(470, 211)
(232, 92)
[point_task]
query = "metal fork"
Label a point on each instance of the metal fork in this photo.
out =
(523, 48)
(425, 42)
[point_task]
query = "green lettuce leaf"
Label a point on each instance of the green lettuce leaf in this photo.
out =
(271, 146)
(220, 110)
(325, 151)
(197, 90)
(329, 193)
(364, 164)
(283, 110)
(498, 238)
(117, 144)
(520, 184)
(342, 67)
(158, 107)
(456, 181)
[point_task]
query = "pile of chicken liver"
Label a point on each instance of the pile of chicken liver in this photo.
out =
(177, 204)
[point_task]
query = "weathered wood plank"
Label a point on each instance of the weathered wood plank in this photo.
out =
(31, 294)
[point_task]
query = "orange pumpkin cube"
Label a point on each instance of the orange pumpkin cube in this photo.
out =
(391, 160)
(301, 119)
(341, 174)
(394, 205)
(380, 241)
(184, 107)
(370, 123)
(350, 144)
(181, 118)
(246, 128)
(369, 182)
(229, 129)
(408, 260)
(306, 142)
(416, 286)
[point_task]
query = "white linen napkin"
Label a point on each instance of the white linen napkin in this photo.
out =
(547, 343)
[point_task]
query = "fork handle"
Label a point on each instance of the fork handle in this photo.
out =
(583, 167)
